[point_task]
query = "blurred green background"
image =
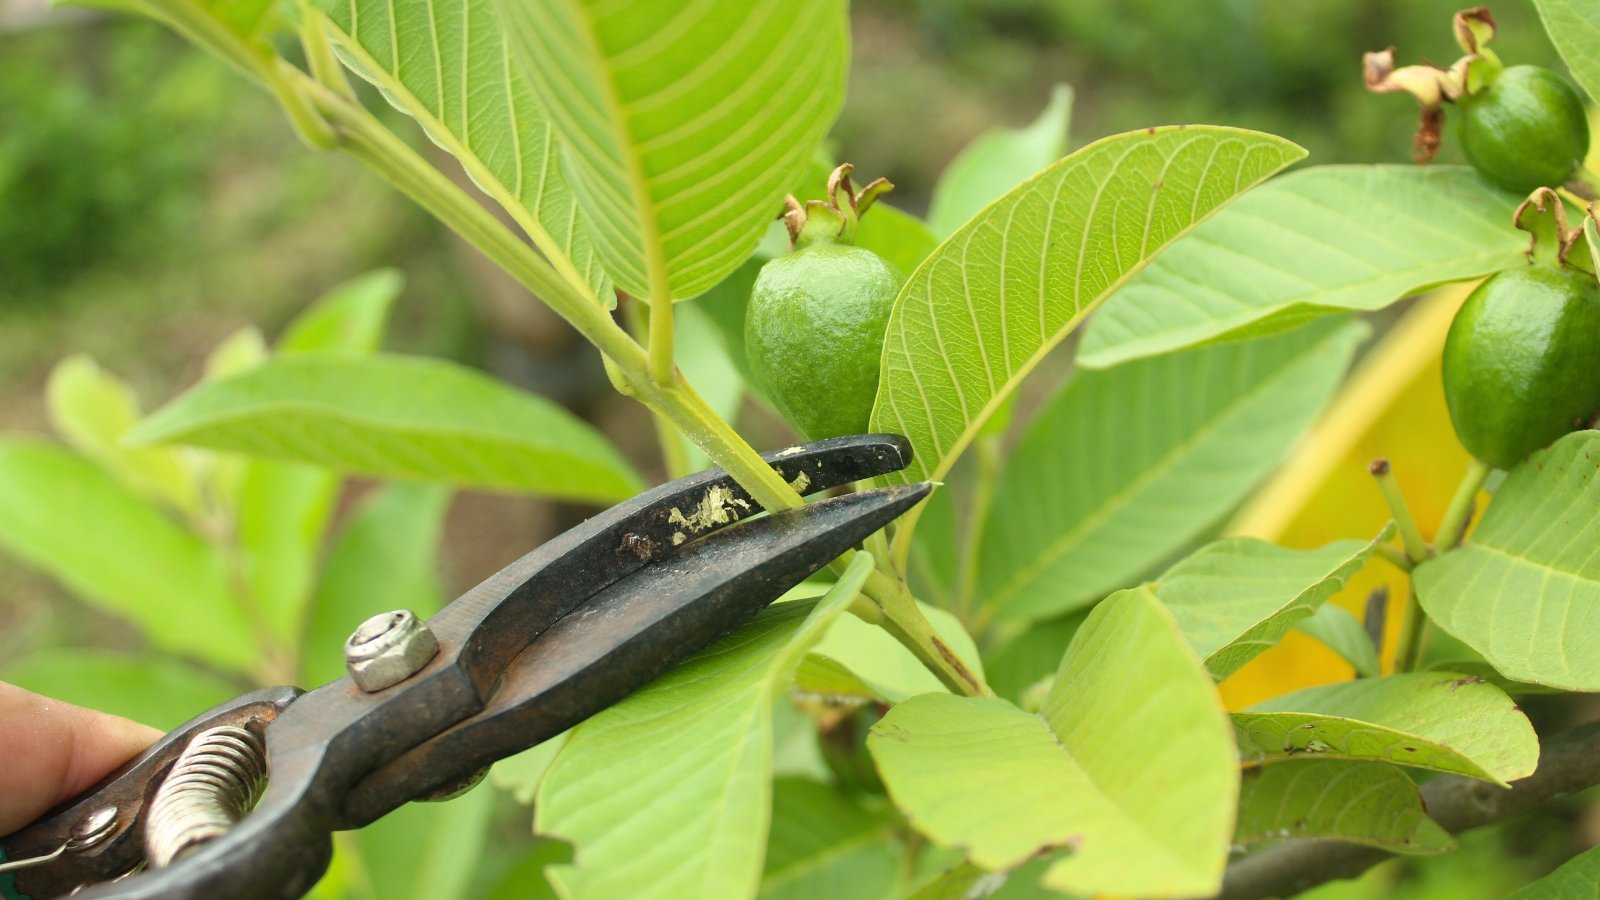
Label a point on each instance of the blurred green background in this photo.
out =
(152, 202)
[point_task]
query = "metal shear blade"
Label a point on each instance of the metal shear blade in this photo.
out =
(550, 640)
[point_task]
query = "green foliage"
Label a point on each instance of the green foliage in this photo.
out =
(1338, 628)
(1158, 451)
(1235, 598)
(826, 844)
(1520, 591)
(397, 417)
(699, 738)
(1141, 794)
(1316, 241)
(952, 356)
(444, 65)
(1574, 28)
(1575, 880)
(154, 689)
(1427, 720)
(988, 168)
(677, 175)
(1365, 803)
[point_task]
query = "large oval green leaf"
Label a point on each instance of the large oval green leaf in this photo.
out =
(1524, 588)
(1236, 597)
(398, 417)
(1316, 241)
(979, 314)
(446, 63)
(1129, 763)
(1429, 720)
(1363, 803)
(65, 515)
(1125, 468)
(1574, 27)
(668, 793)
(683, 125)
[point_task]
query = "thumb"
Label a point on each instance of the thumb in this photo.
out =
(51, 751)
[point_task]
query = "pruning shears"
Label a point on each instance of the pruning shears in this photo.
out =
(243, 799)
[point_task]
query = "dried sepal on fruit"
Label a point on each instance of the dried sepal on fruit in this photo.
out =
(1521, 127)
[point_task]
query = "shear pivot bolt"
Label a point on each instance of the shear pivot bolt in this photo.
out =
(387, 649)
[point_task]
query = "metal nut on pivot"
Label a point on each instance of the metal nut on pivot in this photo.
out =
(387, 649)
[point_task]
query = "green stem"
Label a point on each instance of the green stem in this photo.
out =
(662, 363)
(366, 139)
(1454, 524)
(1410, 534)
(667, 437)
(1408, 646)
(1395, 557)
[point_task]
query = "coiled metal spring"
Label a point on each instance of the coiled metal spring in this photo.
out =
(215, 781)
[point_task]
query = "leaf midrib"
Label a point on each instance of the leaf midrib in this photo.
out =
(456, 147)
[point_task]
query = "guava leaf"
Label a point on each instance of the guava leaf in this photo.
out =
(1524, 588)
(423, 851)
(398, 417)
(1574, 29)
(1427, 720)
(996, 161)
(348, 319)
(683, 126)
(899, 237)
(825, 844)
(1364, 803)
(1125, 468)
(708, 366)
(155, 689)
(1338, 628)
(1236, 597)
(882, 664)
(282, 508)
(1576, 879)
(66, 516)
(1316, 241)
(447, 64)
(385, 557)
(92, 409)
(1129, 763)
(977, 316)
(668, 793)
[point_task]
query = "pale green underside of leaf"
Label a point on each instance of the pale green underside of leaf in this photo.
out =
(1524, 589)
(350, 318)
(824, 844)
(446, 64)
(996, 161)
(1315, 241)
(63, 514)
(668, 794)
(683, 124)
(883, 665)
(1239, 596)
(1343, 633)
(1130, 764)
(1428, 720)
(1361, 802)
(979, 313)
(1126, 467)
(1574, 28)
(1577, 879)
(398, 417)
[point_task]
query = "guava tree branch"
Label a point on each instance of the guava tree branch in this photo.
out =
(1568, 763)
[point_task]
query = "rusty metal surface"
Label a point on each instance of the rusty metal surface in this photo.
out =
(553, 638)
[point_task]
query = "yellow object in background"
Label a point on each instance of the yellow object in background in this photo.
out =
(1392, 407)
